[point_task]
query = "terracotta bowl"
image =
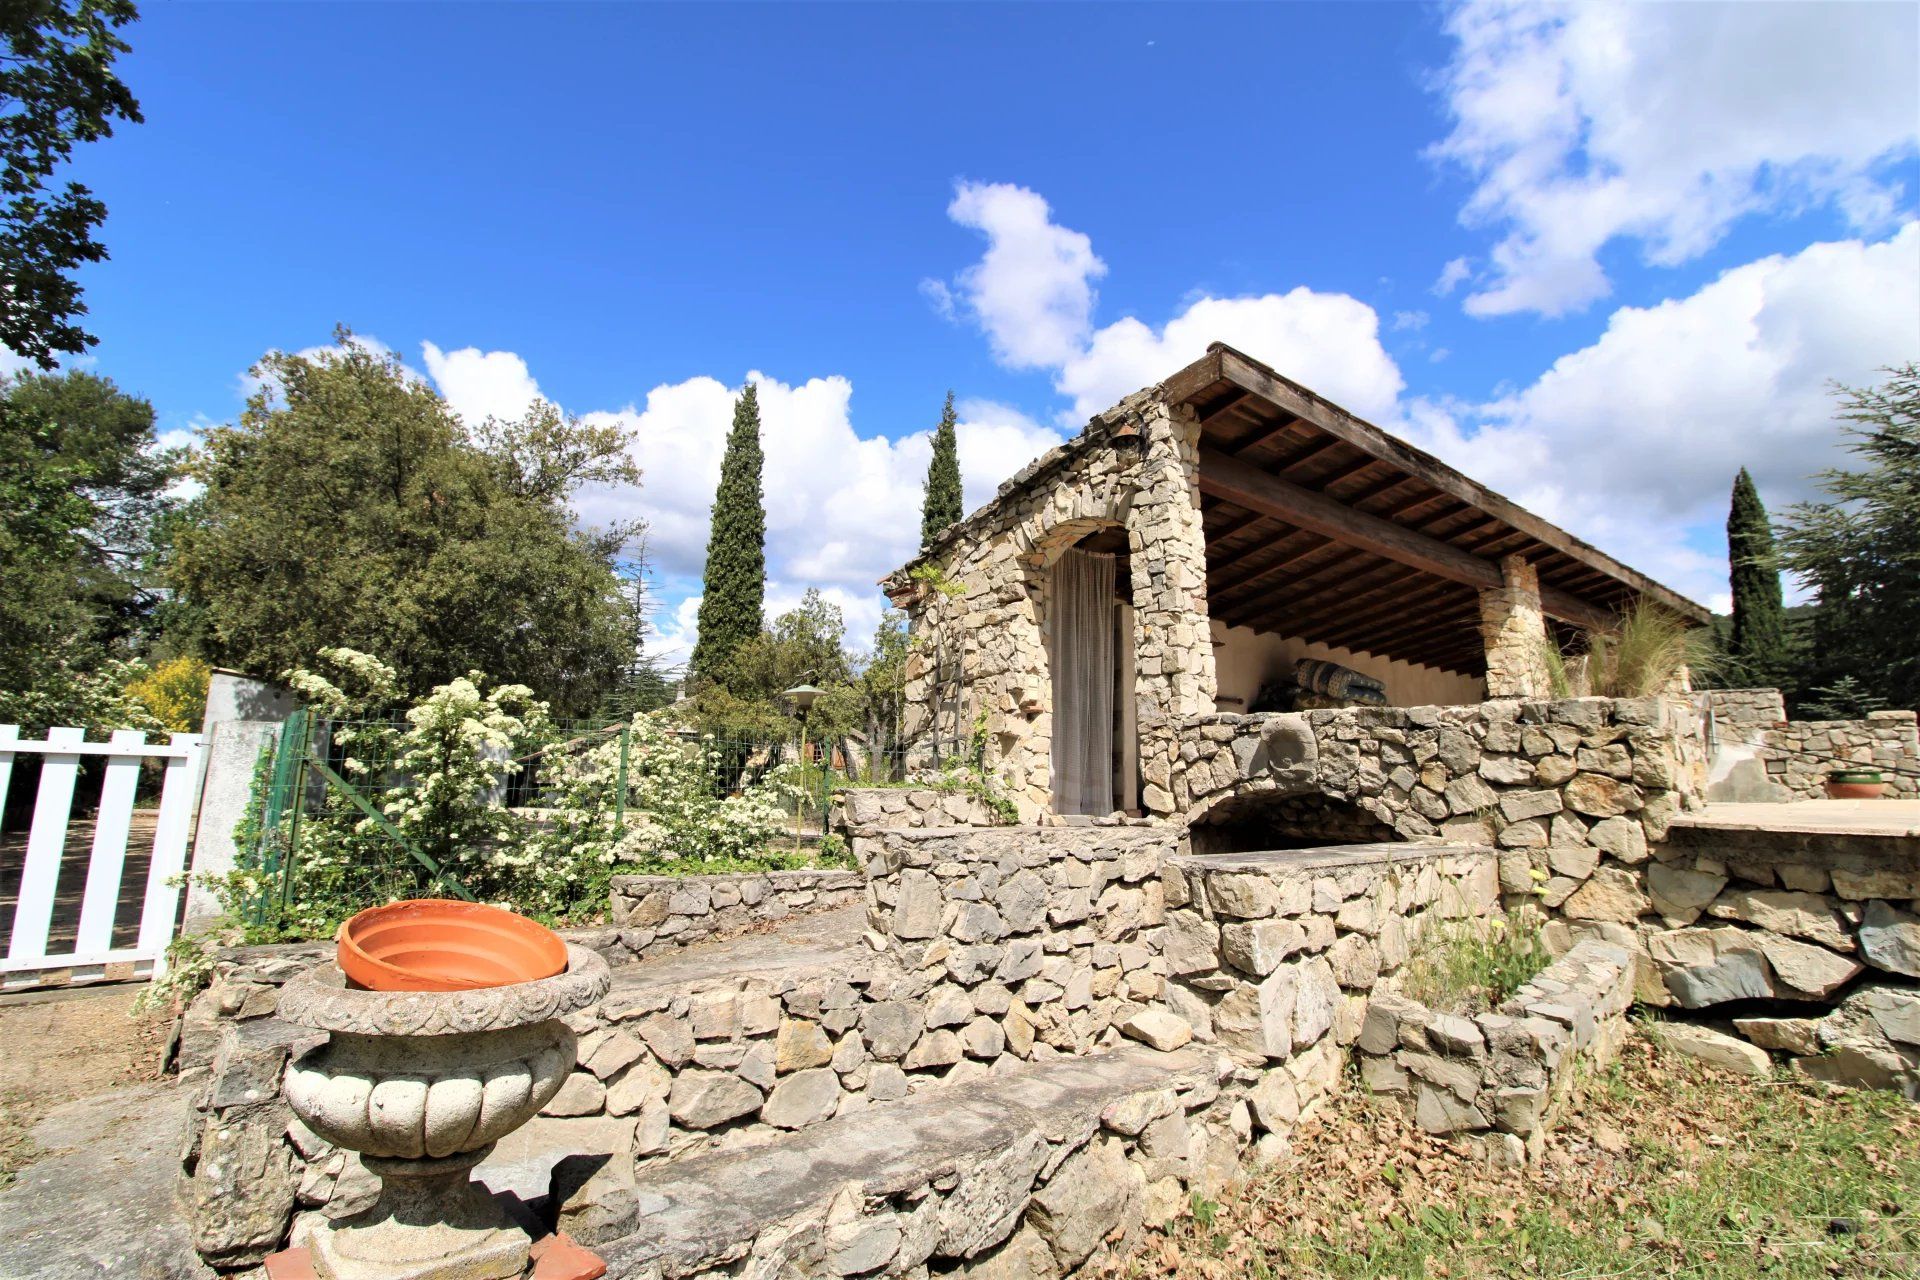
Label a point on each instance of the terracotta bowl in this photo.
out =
(1838, 790)
(438, 944)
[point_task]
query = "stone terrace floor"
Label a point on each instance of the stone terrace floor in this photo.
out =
(800, 942)
(1810, 817)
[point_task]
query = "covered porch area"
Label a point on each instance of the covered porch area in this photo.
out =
(1326, 538)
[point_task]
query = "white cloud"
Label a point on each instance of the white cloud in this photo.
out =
(1452, 276)
(481, 384)
(842, 508)
(1633, 441)
(1410, 320)
(1327, 341)
(1664, 124)
(1032, 291)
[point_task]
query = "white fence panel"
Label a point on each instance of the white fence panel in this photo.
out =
(106, 902)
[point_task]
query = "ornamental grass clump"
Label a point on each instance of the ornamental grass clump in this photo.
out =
(1646, 650)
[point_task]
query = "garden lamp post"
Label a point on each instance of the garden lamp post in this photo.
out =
(802, 696)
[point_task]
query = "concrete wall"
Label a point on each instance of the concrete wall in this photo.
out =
(234, 749)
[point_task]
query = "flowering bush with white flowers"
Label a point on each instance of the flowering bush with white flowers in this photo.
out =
(438, 781)
(676, 817)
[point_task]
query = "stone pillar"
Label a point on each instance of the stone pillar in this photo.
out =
(1515, 632)
(1172, 642)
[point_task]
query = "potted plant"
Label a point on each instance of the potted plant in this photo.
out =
(1855, 784)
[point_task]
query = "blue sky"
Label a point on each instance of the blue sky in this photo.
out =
(1670, 226)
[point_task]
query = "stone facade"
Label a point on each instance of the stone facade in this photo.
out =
(659, 913)
(983, 652)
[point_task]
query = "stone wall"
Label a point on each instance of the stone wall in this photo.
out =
(659, 913)
(1499, 1079)
(1272, 957)
(1796, 755)
(984, 649)
(1809, 940)
(1053, 931)
(1053, 1172)
(1568, 789)
(864, 811)
(1800, 753)
(1747, 708)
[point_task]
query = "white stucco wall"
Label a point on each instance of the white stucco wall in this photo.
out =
(1244, 659)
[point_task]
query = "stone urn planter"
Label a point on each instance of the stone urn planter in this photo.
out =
(1855, 784)
(422, 1084)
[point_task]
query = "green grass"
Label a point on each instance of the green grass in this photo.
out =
(1663, 1168)
(1476, 967)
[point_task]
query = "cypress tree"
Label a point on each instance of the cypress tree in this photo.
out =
(943, 480)
(736, 574)
(1758, 645)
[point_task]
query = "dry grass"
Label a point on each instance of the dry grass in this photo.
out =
(66, 1045)
(1643, 652)
(1662, 1168)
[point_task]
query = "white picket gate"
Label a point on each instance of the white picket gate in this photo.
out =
(32, 959)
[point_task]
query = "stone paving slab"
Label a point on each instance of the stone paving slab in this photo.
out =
(101, 1203)
(698, 1211)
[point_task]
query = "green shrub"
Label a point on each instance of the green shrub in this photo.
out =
(1476, 966)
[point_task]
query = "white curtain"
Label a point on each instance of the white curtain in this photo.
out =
(1083, 680)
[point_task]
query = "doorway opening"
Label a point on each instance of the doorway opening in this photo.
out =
(1096, 757)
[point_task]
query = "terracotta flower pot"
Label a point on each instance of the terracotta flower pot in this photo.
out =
(438, 944)
(1855, 784)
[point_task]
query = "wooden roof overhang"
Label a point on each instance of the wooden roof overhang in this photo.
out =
(1322, 526)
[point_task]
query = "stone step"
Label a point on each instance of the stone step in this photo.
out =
(1036, 1167)
(830, 940)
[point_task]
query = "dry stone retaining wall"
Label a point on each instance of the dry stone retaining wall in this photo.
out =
(1810, 940)
(1054, 931)
(1272, 956)
(870, 810)
(1499, 1079)
(659, 913)
(1800, 753)
(1054, 1171)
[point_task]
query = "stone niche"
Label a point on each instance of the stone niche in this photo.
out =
(1259, 822)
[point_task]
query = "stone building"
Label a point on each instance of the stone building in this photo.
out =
(1184, 551)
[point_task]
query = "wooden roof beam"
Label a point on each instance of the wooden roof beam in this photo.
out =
(1247, 486)
(1222, 361)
